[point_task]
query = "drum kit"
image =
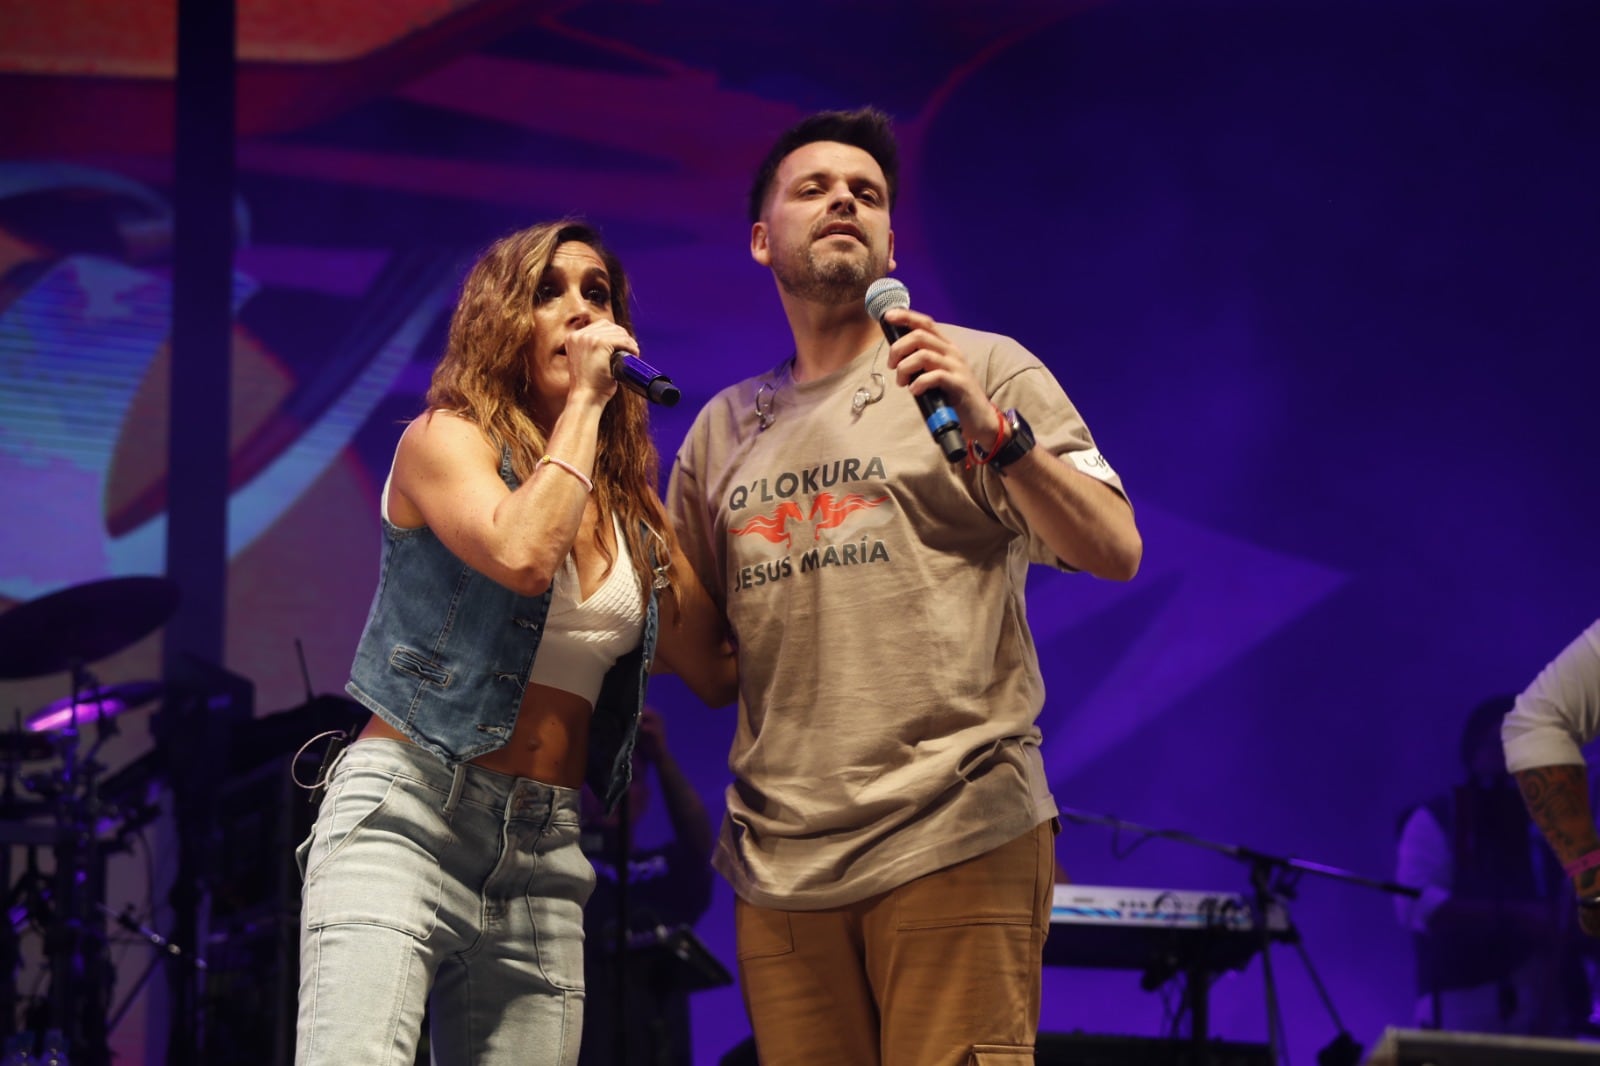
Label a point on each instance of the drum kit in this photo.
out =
(53, 798)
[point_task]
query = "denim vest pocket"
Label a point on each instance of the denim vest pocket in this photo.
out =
(412, 662)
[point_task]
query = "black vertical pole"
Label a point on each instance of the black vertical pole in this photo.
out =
(202, 327)
(197, 465)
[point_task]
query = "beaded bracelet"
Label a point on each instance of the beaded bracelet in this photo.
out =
(1583, 862)
(588, 486)
(978, 456)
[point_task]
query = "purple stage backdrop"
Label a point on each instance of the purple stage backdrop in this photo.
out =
(1321, 276)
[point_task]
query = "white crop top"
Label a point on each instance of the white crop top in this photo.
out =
(583, 640)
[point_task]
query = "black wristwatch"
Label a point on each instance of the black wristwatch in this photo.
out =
(1019, 442)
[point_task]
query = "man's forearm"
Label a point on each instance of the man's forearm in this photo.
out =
(1082, 519)
(1558, 801)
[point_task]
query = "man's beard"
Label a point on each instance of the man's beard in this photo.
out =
(832, 281)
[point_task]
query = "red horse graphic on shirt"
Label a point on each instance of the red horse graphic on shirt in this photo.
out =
(826, 513)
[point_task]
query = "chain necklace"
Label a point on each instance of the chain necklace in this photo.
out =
(767, 392)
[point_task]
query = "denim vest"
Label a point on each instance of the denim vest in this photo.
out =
(446, 653)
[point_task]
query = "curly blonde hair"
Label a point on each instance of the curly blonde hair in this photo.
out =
(484, 377)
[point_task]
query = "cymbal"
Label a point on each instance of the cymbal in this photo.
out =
(82, 624)
(103, 702)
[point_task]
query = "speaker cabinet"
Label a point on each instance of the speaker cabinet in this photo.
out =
(1426, 1047)
(253, 950)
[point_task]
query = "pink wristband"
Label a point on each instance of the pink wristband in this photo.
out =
(1582, 863)
(588, 486)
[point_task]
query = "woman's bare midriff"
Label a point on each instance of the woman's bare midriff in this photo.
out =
(549, 743)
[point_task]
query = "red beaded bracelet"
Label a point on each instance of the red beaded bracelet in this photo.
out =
(999, 442)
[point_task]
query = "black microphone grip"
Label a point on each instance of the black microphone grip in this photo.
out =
(884, 295)
(641, 377)
(936, 410)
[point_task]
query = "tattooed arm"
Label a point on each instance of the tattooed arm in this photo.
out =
(1558, 799)
(1544, 737)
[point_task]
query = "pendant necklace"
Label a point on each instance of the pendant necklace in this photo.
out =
(864, 395)
(767, 392)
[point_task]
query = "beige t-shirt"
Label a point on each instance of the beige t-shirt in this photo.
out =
(888, 680)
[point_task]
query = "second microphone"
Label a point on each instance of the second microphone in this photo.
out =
(643, 378)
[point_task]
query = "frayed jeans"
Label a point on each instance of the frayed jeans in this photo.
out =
(459, 891)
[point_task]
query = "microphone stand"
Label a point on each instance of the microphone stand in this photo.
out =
(165, 950)
(1273, 882)
(9, 941)
(75, 942)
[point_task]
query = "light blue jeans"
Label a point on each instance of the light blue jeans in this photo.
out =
(460, 891)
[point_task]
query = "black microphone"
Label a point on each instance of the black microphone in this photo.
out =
(643, 378)
(886, 294)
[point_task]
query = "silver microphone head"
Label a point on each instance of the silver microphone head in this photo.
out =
(886, 294)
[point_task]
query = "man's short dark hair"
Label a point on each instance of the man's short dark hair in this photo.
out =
(867, 129)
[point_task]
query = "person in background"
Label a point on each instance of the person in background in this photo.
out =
(528, 584)
(1544, 734)
(667, 890)
(1495, 949)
